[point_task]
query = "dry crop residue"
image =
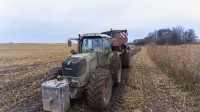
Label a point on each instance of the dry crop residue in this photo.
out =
(160, 92)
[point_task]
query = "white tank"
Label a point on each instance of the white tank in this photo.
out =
(56, 95)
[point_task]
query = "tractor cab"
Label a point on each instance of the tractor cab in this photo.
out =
(97, 43)
(92, 42)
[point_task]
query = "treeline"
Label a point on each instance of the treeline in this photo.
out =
(173, 36)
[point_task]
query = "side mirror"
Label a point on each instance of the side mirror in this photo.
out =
(73, 52)
(69, 43)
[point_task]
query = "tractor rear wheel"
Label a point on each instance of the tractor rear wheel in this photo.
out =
(116, 69)
(125, 60)
(99, 91)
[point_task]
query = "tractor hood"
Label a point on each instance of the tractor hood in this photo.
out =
(87, 56)
(78, 64)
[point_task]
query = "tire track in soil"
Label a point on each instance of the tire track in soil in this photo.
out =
(21, 95)
(160, 92)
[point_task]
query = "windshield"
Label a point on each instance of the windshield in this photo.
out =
(90, 45)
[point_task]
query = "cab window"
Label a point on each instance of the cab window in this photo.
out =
(106, 44)
(92, 44)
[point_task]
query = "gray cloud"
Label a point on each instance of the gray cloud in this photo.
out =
(56, 20)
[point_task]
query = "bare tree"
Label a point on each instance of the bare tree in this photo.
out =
(190, 36)
(176, 35)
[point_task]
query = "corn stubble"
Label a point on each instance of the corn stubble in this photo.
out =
(182, 64)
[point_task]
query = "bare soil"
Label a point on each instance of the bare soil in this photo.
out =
(23, 67)
(23, 90)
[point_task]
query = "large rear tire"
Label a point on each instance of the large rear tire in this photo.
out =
(126, 59)
(116, 68)
(99, 90)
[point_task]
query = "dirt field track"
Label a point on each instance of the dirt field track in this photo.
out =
(145, 88)
(23, 67)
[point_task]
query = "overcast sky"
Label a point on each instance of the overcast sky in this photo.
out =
(56, 20)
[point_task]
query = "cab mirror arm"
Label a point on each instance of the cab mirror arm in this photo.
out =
(69, 43)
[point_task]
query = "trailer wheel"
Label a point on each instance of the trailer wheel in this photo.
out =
(99, 91)
(126, 60)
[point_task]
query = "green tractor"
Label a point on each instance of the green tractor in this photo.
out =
(92, 70)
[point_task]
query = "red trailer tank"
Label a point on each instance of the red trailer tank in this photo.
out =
(119, 37)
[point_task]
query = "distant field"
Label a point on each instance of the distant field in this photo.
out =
(18, 54)
(22, 68)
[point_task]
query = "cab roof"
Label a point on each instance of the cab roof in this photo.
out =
(94, 35)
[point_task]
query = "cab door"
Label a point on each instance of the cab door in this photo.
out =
(98, 46)
(106, 50)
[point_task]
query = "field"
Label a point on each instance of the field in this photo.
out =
(182, 64)
(160, 79)
(22, 69)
